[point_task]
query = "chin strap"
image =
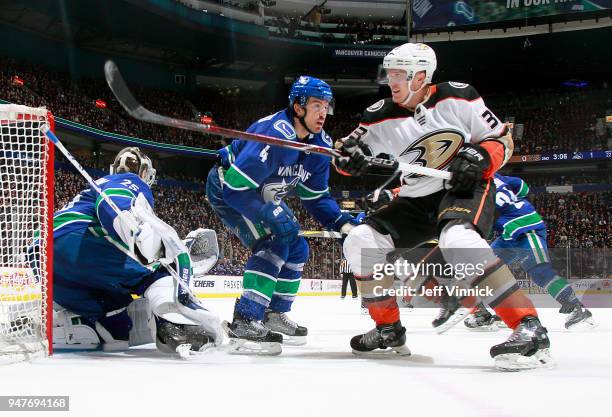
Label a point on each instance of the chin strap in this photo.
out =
(412, 93)
(302, 121)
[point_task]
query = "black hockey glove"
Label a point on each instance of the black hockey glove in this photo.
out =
(384, 198)
(355, 161)
(468, 169)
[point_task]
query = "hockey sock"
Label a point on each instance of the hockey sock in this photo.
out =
(260, 279)
(382, 308)
(287, 286)
(561, 290)
(508, 301)
(558, 287)
(288, 282)
(515, 308)
(429, 284)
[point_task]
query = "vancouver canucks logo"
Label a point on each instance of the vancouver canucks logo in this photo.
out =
(434, 150)
(303, 80)
(376, 106)
(276, 191)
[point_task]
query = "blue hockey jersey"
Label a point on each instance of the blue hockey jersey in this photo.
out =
(88, 209)
(256, 173)
(516, 214)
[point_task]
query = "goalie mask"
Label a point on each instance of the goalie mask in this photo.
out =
(133, 160)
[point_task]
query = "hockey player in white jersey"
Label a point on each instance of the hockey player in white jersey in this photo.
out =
(445, 126)
(100, 262)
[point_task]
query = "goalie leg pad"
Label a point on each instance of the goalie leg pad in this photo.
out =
(74, 332)
(70, 332)
(143, 322)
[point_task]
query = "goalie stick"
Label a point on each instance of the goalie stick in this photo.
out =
(138, 111)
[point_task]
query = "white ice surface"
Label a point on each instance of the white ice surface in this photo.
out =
(447, 375)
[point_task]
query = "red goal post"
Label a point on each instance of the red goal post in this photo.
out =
(26, 233)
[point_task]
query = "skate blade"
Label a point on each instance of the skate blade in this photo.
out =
(459, 315)
(249, 347)
(402, 350)
(514, 362)
(238, 346)
(183, 351)
(584, 325)
(294, 340)
(488, 328)
(186, 353)
(225, 326)
(398, 350)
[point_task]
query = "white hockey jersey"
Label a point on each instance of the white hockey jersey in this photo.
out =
(452, 114)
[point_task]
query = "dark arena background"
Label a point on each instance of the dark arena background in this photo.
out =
(544, 67)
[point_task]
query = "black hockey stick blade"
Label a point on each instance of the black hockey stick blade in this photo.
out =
(138, 111)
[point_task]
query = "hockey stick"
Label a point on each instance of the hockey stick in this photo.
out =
(138, 111)
(321, 233)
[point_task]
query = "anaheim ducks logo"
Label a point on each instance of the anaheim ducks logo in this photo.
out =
(435, 150)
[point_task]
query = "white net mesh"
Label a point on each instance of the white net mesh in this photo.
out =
(24, 212)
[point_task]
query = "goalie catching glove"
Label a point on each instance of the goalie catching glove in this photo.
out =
(203, 249)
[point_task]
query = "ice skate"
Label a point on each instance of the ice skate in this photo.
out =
(181, 339)
(482, 321)
(580, 318)
(388, 338)
(450, 313)
(526, 348)
(251, 337)
(293, 334)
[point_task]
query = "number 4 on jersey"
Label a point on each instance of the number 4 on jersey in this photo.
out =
(263, 155)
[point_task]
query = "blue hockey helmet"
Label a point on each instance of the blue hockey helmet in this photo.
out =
(305, 87)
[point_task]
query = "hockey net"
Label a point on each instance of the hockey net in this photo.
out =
(26, 233)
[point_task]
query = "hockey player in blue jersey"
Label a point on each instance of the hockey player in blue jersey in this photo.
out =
(523, 239)
(246, 189)
(99, 263)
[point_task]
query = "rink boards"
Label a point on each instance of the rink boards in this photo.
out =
(219, 286)
(18, 285)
